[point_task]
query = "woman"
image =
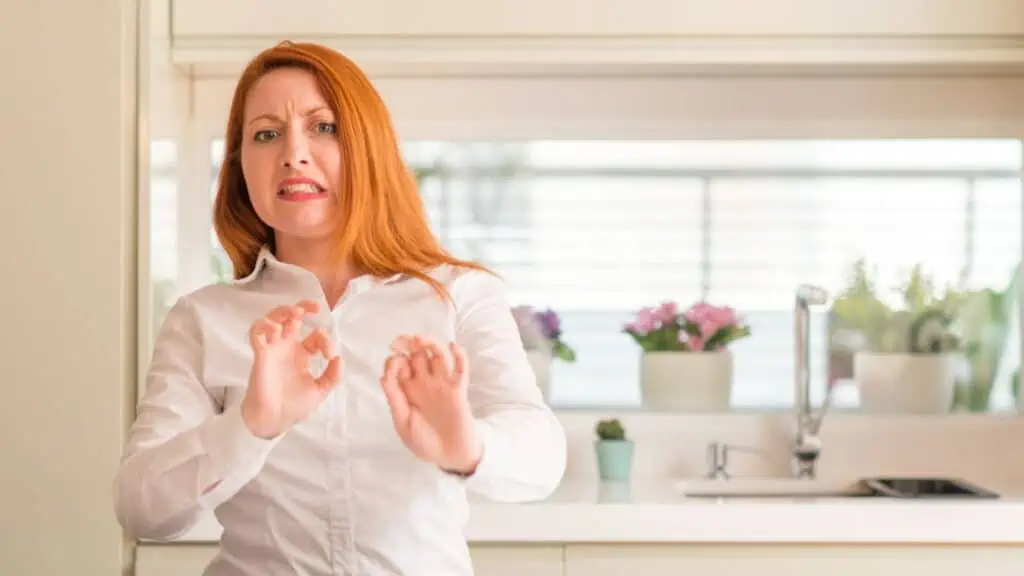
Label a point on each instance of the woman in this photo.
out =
(335, 402)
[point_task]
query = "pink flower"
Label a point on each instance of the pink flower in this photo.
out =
(646, 321)
(667, 312)
(710, 319)
(694, 343)
(703, 326)
(649, 319)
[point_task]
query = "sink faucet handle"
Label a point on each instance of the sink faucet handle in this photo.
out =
(718, 458)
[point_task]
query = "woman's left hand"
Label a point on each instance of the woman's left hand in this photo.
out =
(429, 403)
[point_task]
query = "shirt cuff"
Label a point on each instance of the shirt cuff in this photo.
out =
(483, 468)
(232, 449)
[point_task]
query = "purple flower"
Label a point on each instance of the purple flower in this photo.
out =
(542, 330)
(550, 324)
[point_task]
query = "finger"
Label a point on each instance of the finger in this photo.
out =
(282, 314)
(404, 371)
(394, 367)
(459, 357)
(257, 337)
(291, 328)
(264, 332)
(285, 313)
(402, 346)
(438, 362)
(319, 341)
(397, 401)
(331, 375)
(419, 363)
(307, 306)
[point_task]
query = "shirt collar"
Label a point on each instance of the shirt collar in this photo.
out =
(266, 258)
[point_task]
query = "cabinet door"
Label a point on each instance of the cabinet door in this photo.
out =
(792, 560)
(259, 20)
(173, 560)
(489, 560)
(516, 560)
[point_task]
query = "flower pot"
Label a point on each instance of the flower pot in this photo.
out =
(906, 383)
(686, 381)
(614, 459)
(540, 362)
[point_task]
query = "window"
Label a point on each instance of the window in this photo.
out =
(163, 228)
(597, 228)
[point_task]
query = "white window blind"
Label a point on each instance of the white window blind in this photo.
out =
(596, 229)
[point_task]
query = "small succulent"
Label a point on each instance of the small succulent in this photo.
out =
(610, 429)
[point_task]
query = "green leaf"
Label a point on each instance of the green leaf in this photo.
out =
(563, 352)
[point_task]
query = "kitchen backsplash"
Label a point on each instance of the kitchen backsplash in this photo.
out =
(976, 447)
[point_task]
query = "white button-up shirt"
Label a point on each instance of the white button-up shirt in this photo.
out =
(338, 493)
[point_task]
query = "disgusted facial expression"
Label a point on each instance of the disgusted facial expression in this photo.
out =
(291, 156)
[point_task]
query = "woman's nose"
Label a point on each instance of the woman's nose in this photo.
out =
(296, 152)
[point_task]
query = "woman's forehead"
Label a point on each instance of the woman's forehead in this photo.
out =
(285, 92)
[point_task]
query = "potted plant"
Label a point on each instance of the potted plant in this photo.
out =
(541, 334)
(906, 357)
(985, 322)
(614, 451)
(686, 364)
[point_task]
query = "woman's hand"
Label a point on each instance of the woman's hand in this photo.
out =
(429, 404)
(282, 391)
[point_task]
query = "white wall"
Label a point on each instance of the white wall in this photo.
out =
(67, 233)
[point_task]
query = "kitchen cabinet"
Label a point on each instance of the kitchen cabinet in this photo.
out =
(262, 19)
(380, 33)
(517, 559)
(610, 559)
(792, 560)
(173, 559)
(488, 560)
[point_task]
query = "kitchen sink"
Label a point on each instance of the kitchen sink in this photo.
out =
(879, 487)
(771, 488)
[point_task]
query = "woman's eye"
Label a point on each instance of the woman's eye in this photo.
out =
(264, 135)
(326, 128)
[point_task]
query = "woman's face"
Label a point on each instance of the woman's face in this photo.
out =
(291, 157)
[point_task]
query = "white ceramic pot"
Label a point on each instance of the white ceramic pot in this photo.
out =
(686, 381)
(540, 362)
(906, 383)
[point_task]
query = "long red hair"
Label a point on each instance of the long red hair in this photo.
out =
(384, 227)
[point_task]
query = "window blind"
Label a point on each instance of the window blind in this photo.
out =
(597, 229)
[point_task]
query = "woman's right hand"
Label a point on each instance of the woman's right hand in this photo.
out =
(282, 391)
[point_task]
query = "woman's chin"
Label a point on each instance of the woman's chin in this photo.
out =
(306, 226)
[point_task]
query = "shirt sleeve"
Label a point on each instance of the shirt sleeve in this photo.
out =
(524, 444)
(184, 455)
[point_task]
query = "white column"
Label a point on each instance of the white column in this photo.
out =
(68, 230)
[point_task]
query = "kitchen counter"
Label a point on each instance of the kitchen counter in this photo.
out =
(652, 512)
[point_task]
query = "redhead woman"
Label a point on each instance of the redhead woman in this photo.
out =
(336, 402)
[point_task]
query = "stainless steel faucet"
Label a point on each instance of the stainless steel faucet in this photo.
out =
(807, 445)
(718, 459)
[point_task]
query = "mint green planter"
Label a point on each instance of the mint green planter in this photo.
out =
(614, 459)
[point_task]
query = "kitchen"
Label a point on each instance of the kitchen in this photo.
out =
(760, 148)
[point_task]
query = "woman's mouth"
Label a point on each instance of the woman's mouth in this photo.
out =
(301, 190)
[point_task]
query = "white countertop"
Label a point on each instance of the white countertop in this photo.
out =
(582, 511)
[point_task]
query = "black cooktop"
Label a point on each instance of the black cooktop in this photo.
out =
(945, 488)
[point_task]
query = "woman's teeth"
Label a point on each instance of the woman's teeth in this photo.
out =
(300, 189)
